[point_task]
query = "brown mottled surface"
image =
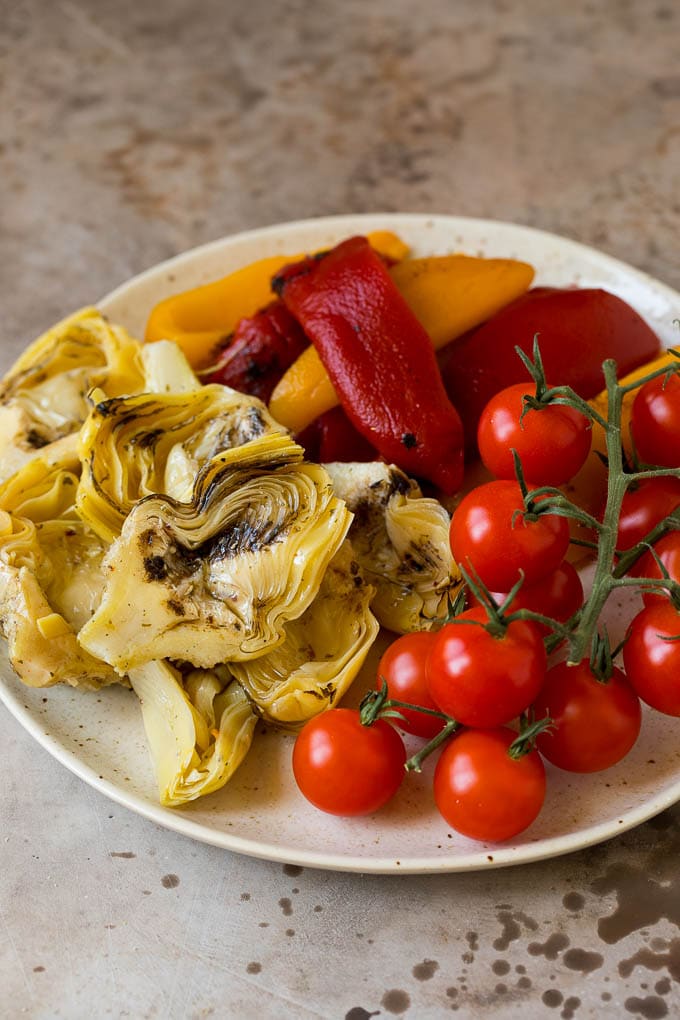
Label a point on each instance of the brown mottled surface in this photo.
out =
(130, 131)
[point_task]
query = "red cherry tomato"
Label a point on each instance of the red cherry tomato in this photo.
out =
(643, 507)
(558, 595)
(595, 723)
(345, 768)
(652, 656)
(490, 535)
(403, 667)
(668, 551)
(655, 421)
(482, 680)
(482, 792)
(552, 442)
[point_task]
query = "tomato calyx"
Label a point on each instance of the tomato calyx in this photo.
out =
(602, 656)
(500, 615)
(665, 585)
(548, 499)
(377, 705)
(545, 394)
(530, 728)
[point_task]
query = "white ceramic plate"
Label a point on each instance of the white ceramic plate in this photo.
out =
(100, 736)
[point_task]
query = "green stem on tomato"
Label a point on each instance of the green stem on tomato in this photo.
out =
(630, 557)
(414, 763)
(561, 630)
(617, 483)
(375, 704)
(653, 472)
(569, 398)
(637, 383)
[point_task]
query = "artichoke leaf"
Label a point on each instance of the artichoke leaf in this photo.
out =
(322, 652)
(198, 731)
(65, 554)
(151, 444)
(42, 647)
(41, 490)
(50, 578)
(401, 540)
(216, 579)
(70, 572)
(166, 369)
(19, 545)
(43, 397)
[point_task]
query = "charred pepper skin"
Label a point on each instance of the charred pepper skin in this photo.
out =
(379, 359)
(259, 351)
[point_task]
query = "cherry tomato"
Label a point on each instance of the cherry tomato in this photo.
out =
(490, 535)
(643, 507)
(652, 661)
(482, 680)
(552, 442)
(655, 421)
(481, 791)
(595, 723)
(668, 551)
(346, 768)
(558, 595)
(403, 666)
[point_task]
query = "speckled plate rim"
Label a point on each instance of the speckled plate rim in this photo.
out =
(487, 857)
(275, 238)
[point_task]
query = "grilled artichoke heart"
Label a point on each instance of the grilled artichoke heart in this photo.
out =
(401, 540)
(44, 395)
(50, 578)
(199, 729)
(137, 446)
(216, 579)
(322, 652)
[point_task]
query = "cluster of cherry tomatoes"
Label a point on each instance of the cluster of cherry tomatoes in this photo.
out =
(488, 667)
(651, 654)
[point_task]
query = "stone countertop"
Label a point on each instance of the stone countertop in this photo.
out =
(131, 131)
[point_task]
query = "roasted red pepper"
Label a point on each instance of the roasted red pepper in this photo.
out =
(332, 437)
(259, 351)
(379, 358)
(577, 330)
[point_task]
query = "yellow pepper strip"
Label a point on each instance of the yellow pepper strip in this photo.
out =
(388, 244)
(449, 294)
(588, 489)
(200, 319)
(303, 392)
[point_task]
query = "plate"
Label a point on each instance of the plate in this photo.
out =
(99, 736)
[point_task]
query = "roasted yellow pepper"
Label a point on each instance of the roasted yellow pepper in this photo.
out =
(198, 320)
(449, 295)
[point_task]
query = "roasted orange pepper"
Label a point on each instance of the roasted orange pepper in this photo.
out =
(199, 320)
(448, 294)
